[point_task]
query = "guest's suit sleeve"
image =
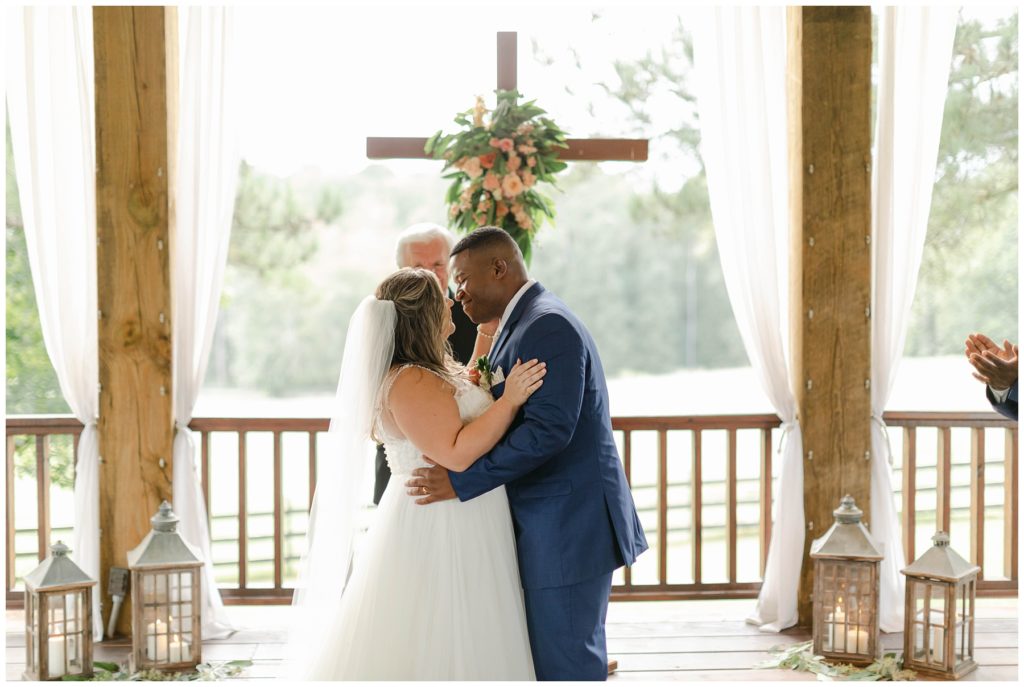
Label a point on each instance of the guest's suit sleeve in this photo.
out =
(1008, 407)
(549, 417)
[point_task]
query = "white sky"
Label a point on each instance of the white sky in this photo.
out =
(315, 81)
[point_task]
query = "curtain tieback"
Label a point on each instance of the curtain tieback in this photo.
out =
(786, 427)
(877, 419)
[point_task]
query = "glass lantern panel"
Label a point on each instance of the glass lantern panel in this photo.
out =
(161, 587)
(148, 585)
(186, 586)
(918, 591)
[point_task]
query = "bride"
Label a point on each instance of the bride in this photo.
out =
(433, 593)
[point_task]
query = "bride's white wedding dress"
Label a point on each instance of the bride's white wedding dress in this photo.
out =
(434, 592)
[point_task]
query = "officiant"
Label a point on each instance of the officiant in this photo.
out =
(429, 246)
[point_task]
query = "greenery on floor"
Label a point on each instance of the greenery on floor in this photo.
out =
(103, 671)
(801, 657)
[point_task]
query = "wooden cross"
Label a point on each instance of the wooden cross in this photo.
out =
(593, 149)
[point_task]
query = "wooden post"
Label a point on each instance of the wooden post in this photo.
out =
(829, 96)
(136, 57)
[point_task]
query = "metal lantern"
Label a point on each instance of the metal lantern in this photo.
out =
(165, 587)
(846, 561)
(58, 619)
(938, 626)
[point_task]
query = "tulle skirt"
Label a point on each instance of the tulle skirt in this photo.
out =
(434, 595)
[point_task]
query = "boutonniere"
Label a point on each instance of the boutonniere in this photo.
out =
(483, 376)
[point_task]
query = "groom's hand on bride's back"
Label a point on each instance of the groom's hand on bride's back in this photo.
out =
(430, 484)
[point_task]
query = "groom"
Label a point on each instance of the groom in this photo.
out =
(575, 522)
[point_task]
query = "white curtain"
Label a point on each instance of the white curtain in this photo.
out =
(914, 54)
(740, 71)
(50, 103)
(208, 161)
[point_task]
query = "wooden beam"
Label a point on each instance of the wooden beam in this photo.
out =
(829, 95)
(579, 150)
(507, 60)
(135, 54)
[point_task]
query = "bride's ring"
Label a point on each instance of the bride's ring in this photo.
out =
(423, 490)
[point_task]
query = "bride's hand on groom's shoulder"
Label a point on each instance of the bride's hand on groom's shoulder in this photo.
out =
(430, 484)
(523, 380)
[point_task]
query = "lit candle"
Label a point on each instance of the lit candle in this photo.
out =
(838, 618)
(55, 652)
(937, 644)
(156, 641)
(856, 641)
(179, 650)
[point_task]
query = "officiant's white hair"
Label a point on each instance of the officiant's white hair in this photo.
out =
(422, 232)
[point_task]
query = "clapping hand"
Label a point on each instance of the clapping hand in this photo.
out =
(993, 365)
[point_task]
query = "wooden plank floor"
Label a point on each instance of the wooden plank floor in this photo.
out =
(691, 640)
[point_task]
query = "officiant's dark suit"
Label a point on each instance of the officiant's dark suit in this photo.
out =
(463, 340)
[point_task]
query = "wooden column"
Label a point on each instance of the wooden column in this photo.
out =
(829, 92)
(136, 58)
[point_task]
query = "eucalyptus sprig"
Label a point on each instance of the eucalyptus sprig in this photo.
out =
(205, 672)
(801, 657)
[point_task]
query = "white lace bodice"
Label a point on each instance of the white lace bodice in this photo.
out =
(403, 456)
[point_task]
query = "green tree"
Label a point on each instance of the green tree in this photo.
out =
(968, 279)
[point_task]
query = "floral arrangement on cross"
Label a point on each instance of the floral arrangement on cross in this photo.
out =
(495, 167)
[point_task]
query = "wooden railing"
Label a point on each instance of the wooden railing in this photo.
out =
(669, 481)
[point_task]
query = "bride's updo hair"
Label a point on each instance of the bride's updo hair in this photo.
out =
(420, 336)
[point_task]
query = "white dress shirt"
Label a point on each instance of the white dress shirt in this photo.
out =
(1000, 394)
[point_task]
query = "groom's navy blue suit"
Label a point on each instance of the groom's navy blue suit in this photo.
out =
(574, 517)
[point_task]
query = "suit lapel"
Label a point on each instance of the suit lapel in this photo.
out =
(531, 294)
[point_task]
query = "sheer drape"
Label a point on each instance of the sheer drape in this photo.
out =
(914, 53)
(740, 68)
(208, 161)
(50, 104)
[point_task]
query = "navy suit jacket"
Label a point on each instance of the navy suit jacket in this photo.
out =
(571, 507)
(1007, 407)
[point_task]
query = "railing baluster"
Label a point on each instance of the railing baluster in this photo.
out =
(312, 466)
(662, 506)
(766, 495)
(242, 511)
(1010, 505)
(278, 524)
(978, 498)
(627, 464)
(204, 444)
(43, 493)
(730, 505)
(11, 574)
(909, 492)
(695, 505)
(942, 475)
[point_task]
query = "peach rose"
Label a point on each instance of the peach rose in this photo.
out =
(514, 162)
(491, 181)
(472, 167)
(500, 209)
(487, 161)
(494, 143)
(531, 162)
(529, 179)
(506, 145)
(511, 185)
